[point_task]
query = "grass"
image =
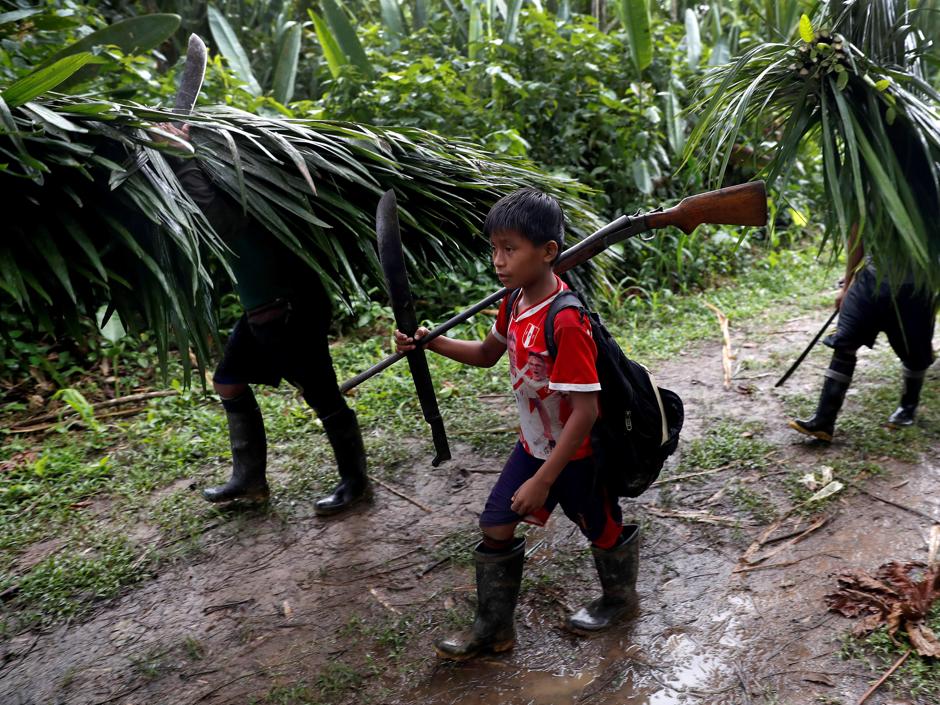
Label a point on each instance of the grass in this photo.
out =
(726, 443)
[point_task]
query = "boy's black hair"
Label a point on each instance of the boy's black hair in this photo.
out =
(535, 215)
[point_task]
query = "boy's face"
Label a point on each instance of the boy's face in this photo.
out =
(518, 261)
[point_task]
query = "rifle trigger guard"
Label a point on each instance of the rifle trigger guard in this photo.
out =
(652, 234)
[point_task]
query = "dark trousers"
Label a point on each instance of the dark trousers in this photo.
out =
(906, 316)
(286, 341)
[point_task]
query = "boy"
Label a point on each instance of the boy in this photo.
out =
(551, 463)
(282, 335)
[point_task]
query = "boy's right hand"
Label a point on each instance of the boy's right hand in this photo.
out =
(404, 343)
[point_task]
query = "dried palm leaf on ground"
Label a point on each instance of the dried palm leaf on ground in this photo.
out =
(898, 596)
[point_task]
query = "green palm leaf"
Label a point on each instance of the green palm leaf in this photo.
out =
(116, 228)
(857, 92)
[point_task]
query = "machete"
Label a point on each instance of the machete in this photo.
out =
(392, 257)
(194, 73)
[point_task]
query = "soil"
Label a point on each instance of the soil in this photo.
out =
(266, 606)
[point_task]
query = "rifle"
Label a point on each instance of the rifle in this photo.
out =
(744, 204)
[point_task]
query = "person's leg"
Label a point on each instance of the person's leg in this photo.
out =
(299, 345)
(499, 558)
(245, 424)
(910, 329)
(321, 392)
(858, 325)
(615, 546)
(837, 379)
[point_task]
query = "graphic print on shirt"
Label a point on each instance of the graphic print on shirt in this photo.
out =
(540, 384)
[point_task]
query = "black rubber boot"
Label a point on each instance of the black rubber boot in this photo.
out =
(910, 398)
(836, 383)
(249, 453)
(499, 576)
(342, 430)
(617, 568)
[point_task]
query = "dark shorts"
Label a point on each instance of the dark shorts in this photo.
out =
(907, 318)
(284, 342)
(582, 497)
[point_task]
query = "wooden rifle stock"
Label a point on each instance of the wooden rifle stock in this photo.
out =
(745, 204)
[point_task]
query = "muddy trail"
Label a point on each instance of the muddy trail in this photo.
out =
(345, 610)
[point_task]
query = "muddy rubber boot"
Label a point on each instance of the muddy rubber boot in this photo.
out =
(249, 453)
(342, 430)
(910, 398)
(617, 569)
(838, 377)
(499, 576)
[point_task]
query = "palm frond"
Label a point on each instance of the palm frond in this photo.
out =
(857, 92)
(101, 218)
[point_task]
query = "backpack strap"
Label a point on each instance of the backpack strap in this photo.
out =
(566, 299)
(511, 301)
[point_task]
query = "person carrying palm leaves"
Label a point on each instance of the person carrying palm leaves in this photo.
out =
(854, 88)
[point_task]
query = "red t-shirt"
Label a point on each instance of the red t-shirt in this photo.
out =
(541, 384)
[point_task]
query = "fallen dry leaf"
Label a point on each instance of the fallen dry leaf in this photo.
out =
(898, 595)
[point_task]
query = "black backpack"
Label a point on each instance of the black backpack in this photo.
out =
(639, 424)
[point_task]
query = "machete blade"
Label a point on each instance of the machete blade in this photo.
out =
(194, 73)
(392, 257)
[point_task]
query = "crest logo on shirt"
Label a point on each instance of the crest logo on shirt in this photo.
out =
(528, 338)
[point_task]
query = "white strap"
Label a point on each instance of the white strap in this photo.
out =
(659, 400)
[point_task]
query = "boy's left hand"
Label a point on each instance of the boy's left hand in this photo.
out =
(530, 496)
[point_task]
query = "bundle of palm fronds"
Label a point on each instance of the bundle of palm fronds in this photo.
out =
(852, 85)
(98, 217)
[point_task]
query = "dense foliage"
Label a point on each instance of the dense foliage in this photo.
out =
(585, 94)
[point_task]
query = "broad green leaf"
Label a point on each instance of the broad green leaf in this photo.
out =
(394, 22)
(806, 30)
(843, 80)
(420, 15)
(285, 70)
(474, 29)
(345, 36)
(16, 16)
(510, 28)
(227, 42)
(635, 15)
(52, 118)
(721, 53)
(134, 35)
(675, 124)
(112, 329)
(45, 79)
(335, 58)
(46, 245)
(641, 176)
(693, 38)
